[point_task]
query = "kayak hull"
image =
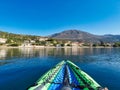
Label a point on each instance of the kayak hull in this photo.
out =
(66, 76)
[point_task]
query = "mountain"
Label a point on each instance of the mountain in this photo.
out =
(112, 38)
(78, 35)
(73, 35)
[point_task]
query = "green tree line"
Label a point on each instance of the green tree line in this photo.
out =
(16, 38)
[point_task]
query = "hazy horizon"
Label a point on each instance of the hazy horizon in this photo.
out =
(45, 17)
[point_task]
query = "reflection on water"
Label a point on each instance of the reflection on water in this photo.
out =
(3, 53)
(84, 55)
(74, 54)
(44, 52)
(26, 65)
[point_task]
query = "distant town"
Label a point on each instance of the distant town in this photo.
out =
(18, 40)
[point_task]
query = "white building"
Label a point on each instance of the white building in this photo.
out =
(32, 41)
(75, 43)
(3, 40)
(26, 44)
(43, 39)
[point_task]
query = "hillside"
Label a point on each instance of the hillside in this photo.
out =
(17, 38)
(78, 35)
(73, 35)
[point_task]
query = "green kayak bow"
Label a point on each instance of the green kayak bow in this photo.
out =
(66, 76)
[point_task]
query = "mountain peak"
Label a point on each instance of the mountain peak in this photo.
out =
(72, 31)
(78, 35)
(74, 35)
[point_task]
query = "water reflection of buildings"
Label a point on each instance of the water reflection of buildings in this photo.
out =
(67, 51)
(64, 51)
(33, 52)
(54, 51)
(42, 52)
(3, 53)
(78, 51)
(26, 52)
(45, 52)
(74, 51)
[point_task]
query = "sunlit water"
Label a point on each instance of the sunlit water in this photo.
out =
(20, 68)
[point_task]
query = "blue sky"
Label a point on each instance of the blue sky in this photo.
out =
(45, 17)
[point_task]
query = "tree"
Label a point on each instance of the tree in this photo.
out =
(117, 44)
(94, 45)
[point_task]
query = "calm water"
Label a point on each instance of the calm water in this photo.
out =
(20, 68)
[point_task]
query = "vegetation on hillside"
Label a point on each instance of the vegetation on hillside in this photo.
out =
(16, 38)
(19, 39)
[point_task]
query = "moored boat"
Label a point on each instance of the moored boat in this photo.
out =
(66, 76)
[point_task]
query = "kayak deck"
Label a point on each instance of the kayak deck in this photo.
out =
(66, 76)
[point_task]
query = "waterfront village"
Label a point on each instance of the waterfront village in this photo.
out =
(49, 42)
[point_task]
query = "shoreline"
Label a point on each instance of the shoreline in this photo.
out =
(53, 47)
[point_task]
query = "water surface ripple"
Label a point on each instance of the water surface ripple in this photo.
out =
(21, 67)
